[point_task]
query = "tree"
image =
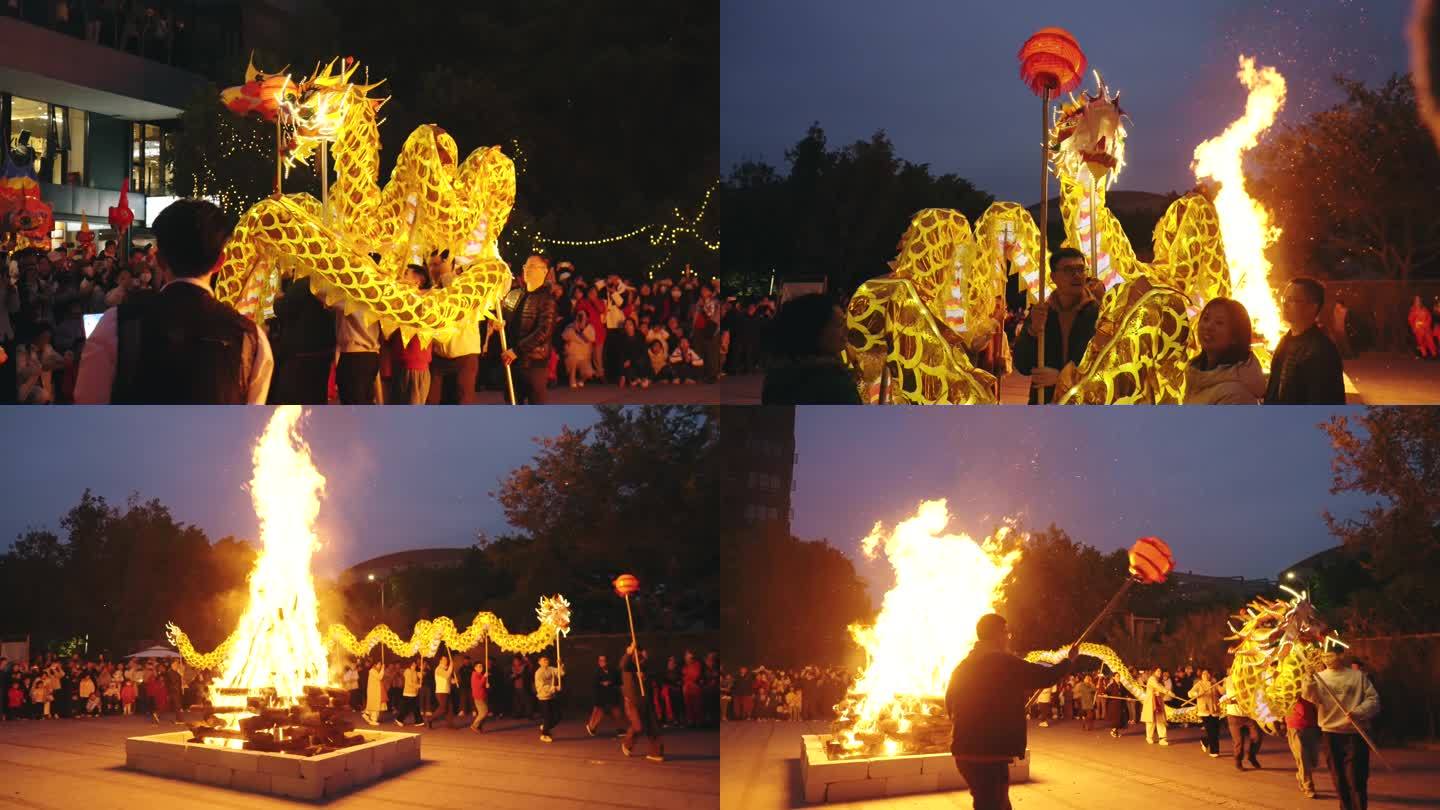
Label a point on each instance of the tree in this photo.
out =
(1357, 180)
(789, 602)
(837, 213)
(1056, 588)
(1392, 454)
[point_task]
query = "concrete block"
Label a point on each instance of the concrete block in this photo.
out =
(948, 779)
(918, 783)
(855, 790)
(211, 775)
(896, 766)
(211, 755)
(279, 765)
(322, 767)
(839, 770)
(814, 792)
(338, 783)
(359, 757)
(252, 781)
(296, 788)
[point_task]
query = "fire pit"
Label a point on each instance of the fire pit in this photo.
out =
(854, 778)
(373, 755)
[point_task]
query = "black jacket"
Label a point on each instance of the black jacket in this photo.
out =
(182, 347)
(1081, 332)
(1306, 370)
(986, 701)
(530, 325)
(607, 688)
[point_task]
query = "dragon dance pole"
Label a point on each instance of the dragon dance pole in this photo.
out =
(1348, 716)
(509, 375)
(325, 178)
(635, 645)
(1094, 251)
(279, 141)
(1044, 215)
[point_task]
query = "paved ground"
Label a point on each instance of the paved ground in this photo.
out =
(80, 763)
(1074, 769)
(1378, 379)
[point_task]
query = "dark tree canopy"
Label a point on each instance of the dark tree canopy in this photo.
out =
(1355, 182)
(614, 109)
(837, 213)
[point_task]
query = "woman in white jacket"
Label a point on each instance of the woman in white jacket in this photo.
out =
(1152, 711)
(1225, 372)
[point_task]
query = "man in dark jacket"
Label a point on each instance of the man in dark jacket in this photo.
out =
(179, 346)
(529, 329)
(607, 697)
(1306, 369)
(1068, 318)
(986, 701)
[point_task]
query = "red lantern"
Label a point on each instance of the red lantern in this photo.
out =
(1051, 58)
(1150, 560)
(121, 216)
(626, 584)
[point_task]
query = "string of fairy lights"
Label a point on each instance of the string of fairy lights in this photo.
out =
(664, 237)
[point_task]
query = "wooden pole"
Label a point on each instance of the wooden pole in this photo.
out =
(1044, 216)
(279, 151)
(1094, 227)
(1351, 718)
(1109, 606)
(635, 645)
(509, 375)
(325, 179)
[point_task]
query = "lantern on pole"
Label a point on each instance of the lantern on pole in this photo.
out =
(1150, 564)
(626, 584)
(1051, 63)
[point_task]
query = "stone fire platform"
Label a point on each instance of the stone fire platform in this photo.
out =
(320, 777)
(827, 780)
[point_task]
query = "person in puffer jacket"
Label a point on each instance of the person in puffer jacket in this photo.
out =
(1225, 372)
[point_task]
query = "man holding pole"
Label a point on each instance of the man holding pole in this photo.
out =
(986, 701)
(639, 710)
(1345, 701)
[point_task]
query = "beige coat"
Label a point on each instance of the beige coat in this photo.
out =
(1235, 384)
(1207, 698)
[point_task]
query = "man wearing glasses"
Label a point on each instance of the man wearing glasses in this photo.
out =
(1306, 369)
(1068, 323)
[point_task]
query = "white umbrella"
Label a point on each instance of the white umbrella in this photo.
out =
(155, 652)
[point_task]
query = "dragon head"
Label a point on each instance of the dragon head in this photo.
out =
(934, 251)
(311, 110)
(1089, 133)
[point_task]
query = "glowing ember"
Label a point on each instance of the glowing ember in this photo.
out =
(278, 643)
(1244, 223)
(943, 584)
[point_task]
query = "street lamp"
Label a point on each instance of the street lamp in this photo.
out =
(381, 582)
(1290, 575)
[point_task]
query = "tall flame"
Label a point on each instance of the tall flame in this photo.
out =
(1244, 223)
(943, 584)
(279, 644)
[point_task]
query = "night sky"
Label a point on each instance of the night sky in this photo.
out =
(941, 77)
(1233, 490)
(396, 478)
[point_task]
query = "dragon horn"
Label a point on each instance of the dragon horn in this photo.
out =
(250, 72)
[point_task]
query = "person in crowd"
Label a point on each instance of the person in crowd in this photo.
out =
(172, 681)
(358, 369)
(1084, 697)
(36, 365)
(374, 692)
(1152, 711)
(1303, 733)
(455, 365)
(706, 332)
(668, 692)
(530, 327)
(1420, 320)
(480, 693)
(986, 703)
(691, 673)
(1344, 697)
(1118, 708)
(579, 341)
(410, 361)
(304, 346)
(548, 685)
(1240, 726)
(1068, 322)
(593, 305)
(808, 369)
(444, 677)
(685, 363)
(607, 697)
(1225, 372)
(1206, 694)
(1306, 368)
(743, 693)
(628, 362)
(179, 346)
(410, 696)
(638, 710)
